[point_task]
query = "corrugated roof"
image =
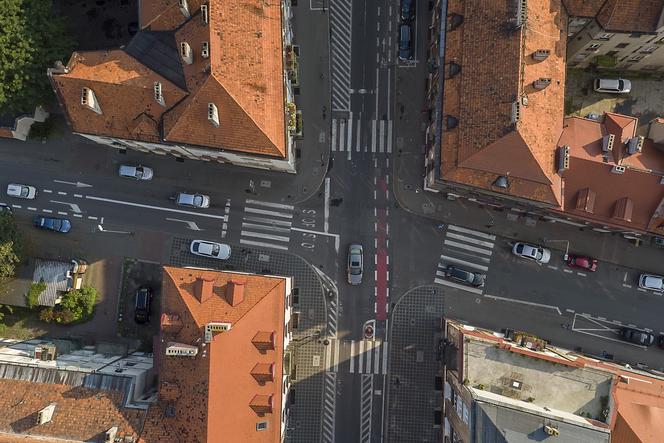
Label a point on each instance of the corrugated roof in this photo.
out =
(56, 276)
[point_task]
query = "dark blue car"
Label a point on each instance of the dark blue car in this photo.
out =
(405, 43)
(53, 224)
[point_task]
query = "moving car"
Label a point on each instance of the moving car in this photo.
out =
(53, 224)
(636, 336)
(21, 191)
(136, 172)
(355, 267)
(582, 262)
(143, 305)
(612, 85)
(651, 282)
(405, 43)
(531, 252)
(210, 249)
(407, 10)
(192, 200)
(463, 276)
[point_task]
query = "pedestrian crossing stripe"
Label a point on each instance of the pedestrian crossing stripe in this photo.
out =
(266, 224)
(347, 133)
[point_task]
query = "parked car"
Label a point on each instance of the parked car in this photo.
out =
(405, 43)
(136, 172)
(465, 277)
(632, 335)
(582, 262)
(612, 85)
(5, 208)
(355, 268)
(21, 191)
(143, 305)
(660, 341)
(531, 252)
(210, 249)
(53, 224)
(407, 10)
(192, 200)
(651, 282)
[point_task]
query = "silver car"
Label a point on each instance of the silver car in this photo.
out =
(136, 172)
(612, 85)
(355, 267)
(651, 282)
(192, 200)
(21, 191)
(531, 252)
(210, 249)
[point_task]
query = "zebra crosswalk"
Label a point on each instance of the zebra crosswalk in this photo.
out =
(468, 249)
(357, 135)
(357, 356)
(341, 17)
(266, 224)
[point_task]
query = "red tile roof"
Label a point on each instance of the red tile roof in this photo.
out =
(487, 143)
(631, 15)
(583, 8)
(224, 389)
(243, 77)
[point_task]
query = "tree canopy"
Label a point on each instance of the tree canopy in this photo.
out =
(31, 40)
(11, 246)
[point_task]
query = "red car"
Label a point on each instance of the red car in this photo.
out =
(581, 262)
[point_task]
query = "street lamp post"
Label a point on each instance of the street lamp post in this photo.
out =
(566, 246)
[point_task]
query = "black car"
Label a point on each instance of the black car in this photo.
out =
(636, 336)
(53, 224)
(405, 43)
(143, 305)
(466, 277)
(407, 10)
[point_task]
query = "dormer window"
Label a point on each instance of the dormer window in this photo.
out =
(213, 114)
(184, 8)
(205, 52)
(185, 53)
(158, 95)
(205, 14)
(89, 100)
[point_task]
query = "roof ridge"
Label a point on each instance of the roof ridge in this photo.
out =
(260, 300)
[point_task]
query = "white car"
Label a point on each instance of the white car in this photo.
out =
(651, 282)
(531, 252)
(210, 249)
(21, 191)
(136, 172)
(612, 85)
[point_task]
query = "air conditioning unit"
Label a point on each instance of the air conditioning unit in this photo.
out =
(634, 145)
(205, 17)
(618, 169)
(109, 436)
(46, 414)
(607, 142)
(205, 52)
(215, 327)
(516, 111)
(563, 159)
(541, 54)
(550, 430)
(181, 350)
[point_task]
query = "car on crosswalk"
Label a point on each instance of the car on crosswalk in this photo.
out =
(210, 249)
(464, 276)
(531, 252)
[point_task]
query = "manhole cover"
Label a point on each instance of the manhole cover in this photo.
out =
(408, 187)
(266, 184)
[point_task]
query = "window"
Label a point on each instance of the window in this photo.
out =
(204, 14)
(611, 53)
(605, 36)
(261, 426)
(594, 46)
(648, 49)
(622, 45)
(635, 58)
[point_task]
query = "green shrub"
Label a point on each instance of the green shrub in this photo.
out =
(75, 305)
(33, 294)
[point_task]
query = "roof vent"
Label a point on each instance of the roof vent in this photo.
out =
(550, 430)
(89, 100)
(185, 53)
(618, 169)
(521, 11)
(451, 122)
(541, 83)
(109, 436)
(158, 95)
(205, 15)
(235, 292)
(607, 142)
(205, 52)
(634, 145)
(541, 54)
(213, 114)
(212, 327)
(453, 69)
(203, 289)
(181, 350)
(516, 111)
(501, 182)
(455, 21)
(184, 8)
(563, 159)
(46, 414)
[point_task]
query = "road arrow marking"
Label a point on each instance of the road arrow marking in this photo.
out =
(77, 184)
(74, 207)
(190, 224)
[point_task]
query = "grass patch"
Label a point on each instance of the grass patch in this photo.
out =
(605, 61)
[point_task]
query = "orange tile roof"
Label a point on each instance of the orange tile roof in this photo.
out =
(81, 414)
(243, 77)
(223, 389)
(631, 15)
(486, 143)
(583, 8)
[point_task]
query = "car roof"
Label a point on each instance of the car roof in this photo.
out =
(127, 169)
(609, 83)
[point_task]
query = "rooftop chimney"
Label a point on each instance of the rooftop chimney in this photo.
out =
(234, 292)
(203, 288)
(46, 414)
(541, 83)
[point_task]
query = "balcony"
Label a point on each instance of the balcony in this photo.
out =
(292, 64)
(291, 118)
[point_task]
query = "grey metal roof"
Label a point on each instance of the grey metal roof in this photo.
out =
(498, 424)
(157, 51)
(55, 275)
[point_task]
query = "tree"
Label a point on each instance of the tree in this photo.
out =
(74, 306)
(31, 40)
(11, 246)
(32, 299)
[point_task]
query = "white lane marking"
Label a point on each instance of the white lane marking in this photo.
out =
(31, 208)
(157, 208)
(269, 204)
(360, 360)
(357, 139)
(335, 362)
(92, 218)
(326, 208)
(377, 359)
(263, 245)
(440, 281)
(265, 227)
(529, 303)
(342, 134)
(568, 271)
(62, 193)
(581, 274)
(16, 206)
(468, 248)
(266, 212)
(77, 215)
(463, 262)
(469, 240)
(471, 232)
(627, 286)
(555, 268)
(641, 289)
(385, 348)
(78, 195)
(48, 211)
(352, 356)
(369, 348)
(373, 136)
(73, 206)
(381, 140)
(268, 221)
(334, 134)
(328, 357)
(48, 191)
(265, 236)
(389, 129)
(62, 213)
(349, 140)
(190, 224)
